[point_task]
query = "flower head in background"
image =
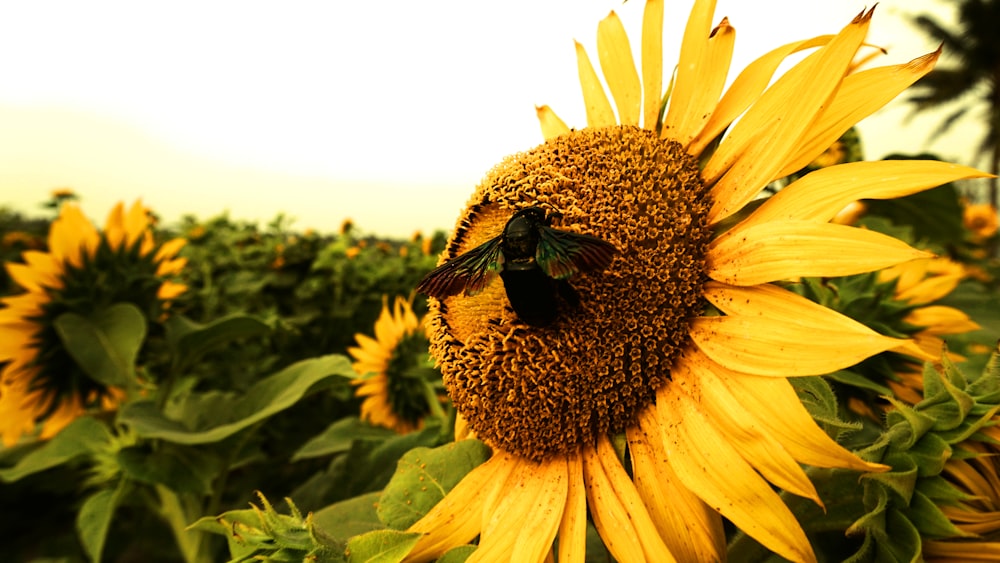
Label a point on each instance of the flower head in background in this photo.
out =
(684, 344)
(83, 271)
(391, 365)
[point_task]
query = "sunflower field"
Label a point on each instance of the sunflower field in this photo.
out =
(702, 327)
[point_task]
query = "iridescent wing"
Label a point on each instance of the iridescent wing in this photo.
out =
(470, 272)
(562, 254)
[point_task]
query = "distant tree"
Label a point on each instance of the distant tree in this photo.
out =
(975, 82)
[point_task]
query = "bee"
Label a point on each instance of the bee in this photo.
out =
(534, 261)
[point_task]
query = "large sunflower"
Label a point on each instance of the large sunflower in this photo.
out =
(83, 271)
(684, 344)
(392, 388)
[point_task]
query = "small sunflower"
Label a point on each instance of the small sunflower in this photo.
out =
(394, 389)
(981, 220)
(684, 344)
(83, 271)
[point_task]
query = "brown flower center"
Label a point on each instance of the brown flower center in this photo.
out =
(543, 391)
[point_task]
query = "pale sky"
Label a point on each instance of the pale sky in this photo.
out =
(385, 112)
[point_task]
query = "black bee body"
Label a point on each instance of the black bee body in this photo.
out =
(534, 261)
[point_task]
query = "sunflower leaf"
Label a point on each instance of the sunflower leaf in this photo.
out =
(386, 546)
(350, 517)
(338, 437)
(424, 476)
(232, 413)
(105, 344)
(83, 436)
(190, 340)
(94, 519)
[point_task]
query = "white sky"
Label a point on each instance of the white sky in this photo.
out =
(386, 112)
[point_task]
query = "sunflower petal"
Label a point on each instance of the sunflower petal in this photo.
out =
(573, 528)
(683, 125)
(746, 89)
(71, 236)
(135, 223)
(170, 249)
(599, 112)
(535, 499)
(939, 319)
(456, 519)
(617, 510)
(760, 143)
(725, 410)
(552, 125)
(615, 55)
(652, 62)
(780, 250)
(820, 195)
(709, 466)
(859, 96)
(691, 530)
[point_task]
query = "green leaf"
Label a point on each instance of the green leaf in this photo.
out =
(350, 517)
(94, 519)
(180, 469)
(264, 399)
(935, 215)
(463, 552)
(105, 345)
(381, 546)
(424, 476)
(190, 340)
(338, 437)
(83, 436)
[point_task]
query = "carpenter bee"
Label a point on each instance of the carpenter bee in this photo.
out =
(534, 261)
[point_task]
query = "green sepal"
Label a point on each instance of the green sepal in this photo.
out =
(926, 515)
(211, 417)
(82, 437)
(930, 454)
(424, 476)
(105, 344)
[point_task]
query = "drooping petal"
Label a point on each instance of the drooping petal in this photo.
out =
(458, 517)
(552, 125)
(779, 412)
(725, 411)
(534, 496)
(652, 62)
(709, 466)
(759, 144)
(599, 112)
(746, 89)
(859, 96)
(615, 55)
(617, 510)
(780, 250)
(691, 530)
(710, 82)
(820, 195)
(573, 528)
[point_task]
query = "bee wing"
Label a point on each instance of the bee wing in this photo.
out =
(562, 254)
(470, 272)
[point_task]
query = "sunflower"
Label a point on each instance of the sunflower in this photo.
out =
(83, 271)
(662, 400)
(394, 389)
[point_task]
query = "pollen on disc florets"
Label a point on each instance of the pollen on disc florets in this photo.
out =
(539, 392)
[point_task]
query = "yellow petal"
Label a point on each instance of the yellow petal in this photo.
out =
(615, 55)
(781, 250)
(534, 499)
(691, 530)
(599, 112)
(685, 124)
(690, 69)
(114, 226)
(746, 89)
(136, 221)
(939, 319)
(617, 510)
(169, 290)
(761, 141)
(456, 519)
(170, 249)
(709, 466)
(552, 125)
(725, 411)
(859, 96)
(652, 62)
(71, 235)
(820, 195)
(573, 528)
